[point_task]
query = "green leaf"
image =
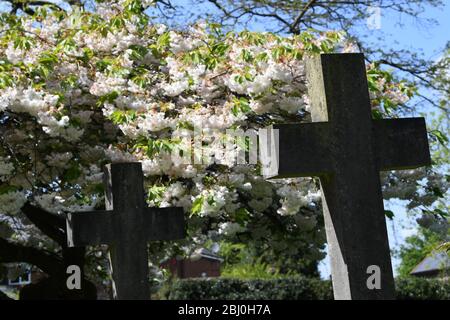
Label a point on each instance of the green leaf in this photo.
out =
(242, 215)
(72, 173)
(138, 52)
(263, 56)
(22, 43)
(239, 79)
(87, 55)
(97, 188)
(110, 97)
(440, 137)
(117, 23)
(197, 206)
(441, 213)
(155, 194)
(163, 41)
(118, 117)
(66, 45)
(7, 188)
(246, 55)
(48, 59)
(240, 105)
(6, 80)
(102, 65)
(220, 48)
(244, 105)
(376, 114)
(389, 214)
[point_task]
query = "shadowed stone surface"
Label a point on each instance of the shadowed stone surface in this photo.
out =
(346, 148)
(126, 226)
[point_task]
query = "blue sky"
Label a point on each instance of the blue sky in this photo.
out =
(415, 35)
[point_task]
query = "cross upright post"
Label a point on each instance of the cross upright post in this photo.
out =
(126, 226)
(346, 149)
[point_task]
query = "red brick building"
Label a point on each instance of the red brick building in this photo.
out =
(202, 264)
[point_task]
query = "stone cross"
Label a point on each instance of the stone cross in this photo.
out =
(346, 149)
(126, 226)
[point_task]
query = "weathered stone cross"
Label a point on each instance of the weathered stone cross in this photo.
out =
(127, 226)
(346, 149)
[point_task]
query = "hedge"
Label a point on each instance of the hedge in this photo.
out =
(293, 288)
(422, 289)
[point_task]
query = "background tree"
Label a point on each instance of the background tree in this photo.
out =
(419, 246)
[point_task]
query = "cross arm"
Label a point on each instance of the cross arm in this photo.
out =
(164, 223)
(295, 150)
(401, 143)
(90, 228)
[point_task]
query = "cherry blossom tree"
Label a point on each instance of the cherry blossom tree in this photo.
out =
(82, 88)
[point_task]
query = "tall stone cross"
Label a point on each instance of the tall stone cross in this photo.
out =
(126, 226)
(346, 149)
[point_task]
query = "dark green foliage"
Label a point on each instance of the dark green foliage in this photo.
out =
(422, 289)
(293, 288)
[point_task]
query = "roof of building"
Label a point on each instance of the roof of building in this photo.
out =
(435, 262)
(208, 254)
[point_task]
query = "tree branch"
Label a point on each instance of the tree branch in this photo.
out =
(50, 224)
(294, 27)
(12, 252)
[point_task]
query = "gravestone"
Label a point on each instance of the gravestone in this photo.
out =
(126, 226)
(346, 149)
